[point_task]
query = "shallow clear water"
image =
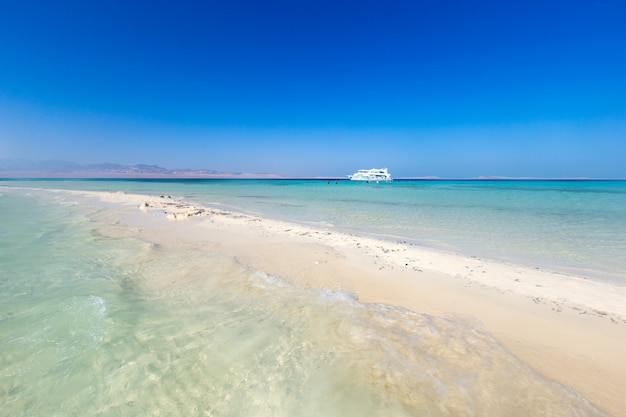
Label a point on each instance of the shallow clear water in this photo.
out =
(95, 323)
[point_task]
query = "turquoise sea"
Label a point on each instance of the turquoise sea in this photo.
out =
(567, 226)
(91, 323)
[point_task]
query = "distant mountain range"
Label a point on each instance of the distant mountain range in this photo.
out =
(22, 168)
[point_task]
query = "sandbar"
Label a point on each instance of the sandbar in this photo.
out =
(566, 327)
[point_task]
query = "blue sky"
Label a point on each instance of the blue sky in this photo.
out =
(431, 87)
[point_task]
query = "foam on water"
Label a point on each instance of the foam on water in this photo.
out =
(112, 325)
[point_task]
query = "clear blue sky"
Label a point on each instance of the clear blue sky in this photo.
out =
(424, 87)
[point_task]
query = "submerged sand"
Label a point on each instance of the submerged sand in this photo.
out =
(566, 327)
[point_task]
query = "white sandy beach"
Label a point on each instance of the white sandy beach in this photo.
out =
(567, 328)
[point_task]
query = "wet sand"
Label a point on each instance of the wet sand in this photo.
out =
(567, 328)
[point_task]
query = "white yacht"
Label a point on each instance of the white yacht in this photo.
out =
(373, 175)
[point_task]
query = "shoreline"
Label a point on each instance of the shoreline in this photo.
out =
(567, 328)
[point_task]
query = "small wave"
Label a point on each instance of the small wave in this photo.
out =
(85, 319)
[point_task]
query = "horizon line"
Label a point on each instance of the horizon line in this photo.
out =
(260, 176)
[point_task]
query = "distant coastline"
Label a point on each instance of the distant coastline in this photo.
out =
(11, 168)
(52, 169)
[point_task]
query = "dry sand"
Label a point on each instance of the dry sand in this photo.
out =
(567, 328)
